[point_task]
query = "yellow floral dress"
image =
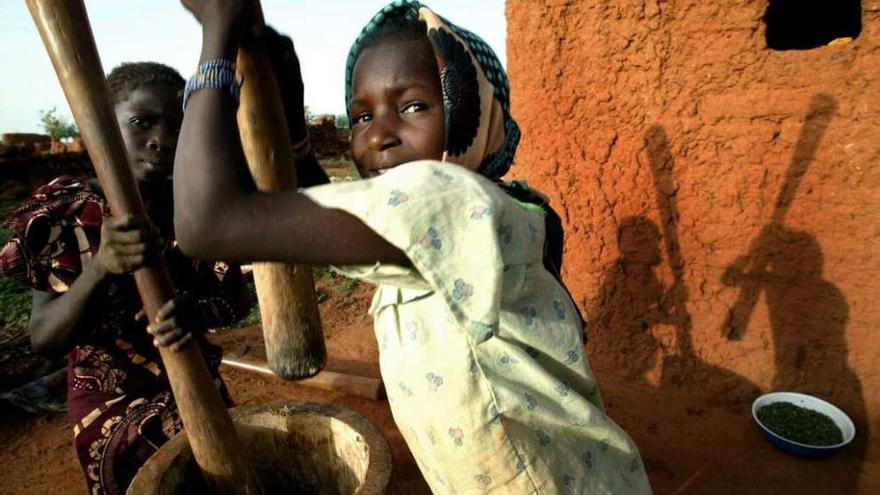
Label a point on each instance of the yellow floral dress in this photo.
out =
(480, 347)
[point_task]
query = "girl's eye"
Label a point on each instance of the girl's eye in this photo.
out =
(139, 122)
(416, 106)
(361, 118)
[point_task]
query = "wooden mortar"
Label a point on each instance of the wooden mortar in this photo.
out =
(297, 448)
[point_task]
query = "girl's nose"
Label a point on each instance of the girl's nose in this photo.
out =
(383, 134)
(161, 139)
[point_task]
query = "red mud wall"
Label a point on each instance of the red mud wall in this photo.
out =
(721, 209)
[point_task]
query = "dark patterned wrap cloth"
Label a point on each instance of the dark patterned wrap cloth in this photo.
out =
(119, 401)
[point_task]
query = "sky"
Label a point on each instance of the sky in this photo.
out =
(162, 31)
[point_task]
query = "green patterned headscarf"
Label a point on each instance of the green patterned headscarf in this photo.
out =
(480, 134)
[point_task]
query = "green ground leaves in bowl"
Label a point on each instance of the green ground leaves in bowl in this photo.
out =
(800, 424)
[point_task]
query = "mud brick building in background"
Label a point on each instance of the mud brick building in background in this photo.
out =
(717, 172)
(28, 160)
(328, 141)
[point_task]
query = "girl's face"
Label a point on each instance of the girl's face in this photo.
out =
(396, 107)
(150, 119)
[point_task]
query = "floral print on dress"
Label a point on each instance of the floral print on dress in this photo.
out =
(482, 332)
(397, 197)
(457, 436)
(431, 239)
(562, 389)
(435, 381)
(406, 390)
(481, 211)
(431, 435)
(529, 315)
(559, 309)
(443, 176)
(531, 402)
(587, 458)
(506, 359)
(483, 480)
(572, 356)
(544, 438)
(412, 330)
(634, 465)
(472, 367)
(533, 232)
(568, 484)
(461, 290)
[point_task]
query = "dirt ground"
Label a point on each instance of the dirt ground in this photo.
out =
(692, 441)
(37, 452)
(707, 447)
(720, 219)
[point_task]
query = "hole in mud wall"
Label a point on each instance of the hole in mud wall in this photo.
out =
(805, 24)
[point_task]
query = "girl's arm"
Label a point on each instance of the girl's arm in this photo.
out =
(56, 321)
(217, 216)
(54, 326)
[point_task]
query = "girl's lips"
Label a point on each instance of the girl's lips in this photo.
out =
(156, 166)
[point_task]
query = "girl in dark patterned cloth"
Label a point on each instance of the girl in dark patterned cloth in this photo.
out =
(79, 262)
(85, 303)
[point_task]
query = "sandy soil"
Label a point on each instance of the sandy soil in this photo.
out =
(37, 452)
(692, 441)
(708, 447)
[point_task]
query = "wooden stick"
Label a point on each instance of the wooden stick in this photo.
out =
(357, 386)
(821, 111)
(286, 293)
(662, 170)
(64, 28)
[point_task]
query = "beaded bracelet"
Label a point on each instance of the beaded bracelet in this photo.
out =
(216, 74)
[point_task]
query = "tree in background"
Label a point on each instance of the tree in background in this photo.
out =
(56, 126)
(311, 117)
(342, 121)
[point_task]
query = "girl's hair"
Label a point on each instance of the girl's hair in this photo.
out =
(399, 27)
(130, 76)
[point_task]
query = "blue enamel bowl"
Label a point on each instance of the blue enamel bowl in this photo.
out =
(807, 401)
